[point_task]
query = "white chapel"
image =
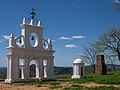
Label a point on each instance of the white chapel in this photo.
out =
(20, 54)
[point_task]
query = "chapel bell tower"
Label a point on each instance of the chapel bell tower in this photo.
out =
(31, 30)
(30, 46)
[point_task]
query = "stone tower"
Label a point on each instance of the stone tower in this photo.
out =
(100, 67)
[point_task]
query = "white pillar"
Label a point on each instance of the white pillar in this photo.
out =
(41, 69)
(15, 68)
(37, 69)
(8, 68)
(9, 76)
(45, 68)
(26, 70)
(76, 71)
(12, 70)
(22, 72)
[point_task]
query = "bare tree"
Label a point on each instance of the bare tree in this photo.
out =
(109, 42)
(116, 5)
(88, 55)
(111, 59)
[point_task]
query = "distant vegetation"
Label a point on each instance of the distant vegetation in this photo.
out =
(3, 72)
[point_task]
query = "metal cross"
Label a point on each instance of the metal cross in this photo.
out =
(33, 13)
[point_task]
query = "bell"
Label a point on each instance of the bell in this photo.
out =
(20, 41)
(32, 38)
(44, 43)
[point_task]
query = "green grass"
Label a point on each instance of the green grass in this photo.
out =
(110, 78)
(96, 88)
(55, 86)
(104, 88)
(54, 83)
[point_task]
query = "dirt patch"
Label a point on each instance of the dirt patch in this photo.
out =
(91, 84)
(4, 86)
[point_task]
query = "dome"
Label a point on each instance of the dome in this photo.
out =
(78, 61)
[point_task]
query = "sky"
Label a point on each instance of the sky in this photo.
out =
(70, 24)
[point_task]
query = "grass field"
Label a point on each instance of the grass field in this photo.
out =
(111, 81)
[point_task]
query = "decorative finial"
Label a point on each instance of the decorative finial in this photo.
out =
(49, 41)
(50, 44)
(11, 36)
(32, 22)
(39, 23)
(24, 20)
(33, 13)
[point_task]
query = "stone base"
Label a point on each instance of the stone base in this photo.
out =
(9, 81)
(75, 76)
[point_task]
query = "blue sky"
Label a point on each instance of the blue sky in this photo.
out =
(71, 24)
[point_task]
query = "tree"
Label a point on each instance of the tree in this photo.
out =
(111, 59)
(109, 42)
(89, 56)
(116, 5)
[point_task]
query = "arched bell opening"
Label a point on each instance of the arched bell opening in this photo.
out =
(45, 44)
(34, 40)
(19, 41)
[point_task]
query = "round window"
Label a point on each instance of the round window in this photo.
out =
(34, 40)
(19, 41)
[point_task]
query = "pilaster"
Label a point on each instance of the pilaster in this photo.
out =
(41, 69)
(50, 69)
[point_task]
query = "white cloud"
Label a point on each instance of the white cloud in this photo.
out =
(2, 40)
(71, 46)
(73, 37)
(78, 37)
(6, 37)
(65, 38)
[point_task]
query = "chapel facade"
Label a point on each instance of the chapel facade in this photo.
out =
(21, 53)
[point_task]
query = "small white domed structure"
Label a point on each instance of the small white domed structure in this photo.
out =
(78, 68)
(78, 61)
